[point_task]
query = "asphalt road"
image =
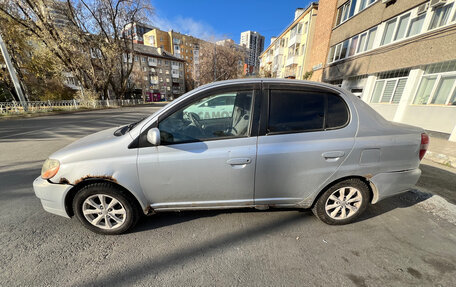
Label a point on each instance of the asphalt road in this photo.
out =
(396, 243)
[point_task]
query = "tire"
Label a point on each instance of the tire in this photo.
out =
(119, 213)
(333, 209)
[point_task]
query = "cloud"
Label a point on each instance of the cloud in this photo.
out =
(190, 26)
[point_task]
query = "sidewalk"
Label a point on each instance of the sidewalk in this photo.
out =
(72, 111)
(441, 151)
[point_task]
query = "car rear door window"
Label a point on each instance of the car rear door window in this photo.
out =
(297, 111)
(337, 112)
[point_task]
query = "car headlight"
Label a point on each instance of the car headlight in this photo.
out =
(50, 168)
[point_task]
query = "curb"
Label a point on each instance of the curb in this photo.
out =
(441, 158)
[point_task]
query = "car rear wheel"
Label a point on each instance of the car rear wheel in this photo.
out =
(105, 208)
(343, 202)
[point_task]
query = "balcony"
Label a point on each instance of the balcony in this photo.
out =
(174, 65)
(275, 67)
(175, 74)
(292, 60)
(269, 58)
(153, 62)
(175, 81)
(296, 39)
(278, 51)
(290, 74)
(176, 91)
(153, 80)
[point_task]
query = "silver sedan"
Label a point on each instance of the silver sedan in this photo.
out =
(261, 143)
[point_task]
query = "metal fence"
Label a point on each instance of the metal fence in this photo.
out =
(68, 105)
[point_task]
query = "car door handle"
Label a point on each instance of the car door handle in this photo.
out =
(332, 156)
(239, 161)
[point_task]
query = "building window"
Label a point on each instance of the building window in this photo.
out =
(389, 90)
(353, 44)
(136, 58)
(425, 90)
(349, 9)
(406, 25)
(437, 90)
(342, 13)
(440, 16)
(416, 25)
(364, 4)
(389, 30)
(143, 59)
(152, 40)
(402, 26)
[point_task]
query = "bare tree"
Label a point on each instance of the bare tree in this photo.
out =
(218, 63)
(86, 37)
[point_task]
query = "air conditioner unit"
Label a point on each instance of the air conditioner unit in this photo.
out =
(387, 1)
(422, 8)
(436, 3)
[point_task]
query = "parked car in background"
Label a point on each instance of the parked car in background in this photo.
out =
(218, 106)
(283, 143)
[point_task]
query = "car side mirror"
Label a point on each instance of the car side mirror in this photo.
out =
(153, 136)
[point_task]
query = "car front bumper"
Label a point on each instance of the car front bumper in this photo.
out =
(52, 196)
(391, 183)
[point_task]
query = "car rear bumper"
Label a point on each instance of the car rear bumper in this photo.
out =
(392, 183)
(52, 196)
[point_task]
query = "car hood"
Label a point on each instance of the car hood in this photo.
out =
(93, 146)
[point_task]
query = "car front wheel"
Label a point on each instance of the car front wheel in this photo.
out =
(105, 209)
(343, 202)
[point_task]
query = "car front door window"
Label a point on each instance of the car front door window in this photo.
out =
(216, 116)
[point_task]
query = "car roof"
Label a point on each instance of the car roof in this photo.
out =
(271, 81)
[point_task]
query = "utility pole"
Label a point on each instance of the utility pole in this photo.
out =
(12, 73)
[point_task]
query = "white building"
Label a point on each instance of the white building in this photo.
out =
(254, 41)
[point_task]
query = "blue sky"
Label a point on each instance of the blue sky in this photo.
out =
(225, 19)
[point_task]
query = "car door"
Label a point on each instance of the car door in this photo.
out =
(199, 164)
(305, 135)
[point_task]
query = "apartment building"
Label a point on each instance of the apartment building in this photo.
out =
(156, 74)
(398, 56)
(254, 41)
(137, 30)
(288, 56)
(182, 46)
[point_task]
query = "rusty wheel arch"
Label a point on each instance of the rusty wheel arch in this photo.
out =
(88, 180)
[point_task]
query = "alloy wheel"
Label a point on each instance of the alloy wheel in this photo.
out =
(104, 211)
(343, 203)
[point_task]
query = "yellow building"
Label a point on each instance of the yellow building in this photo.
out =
(288, 55)
(181, 46)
